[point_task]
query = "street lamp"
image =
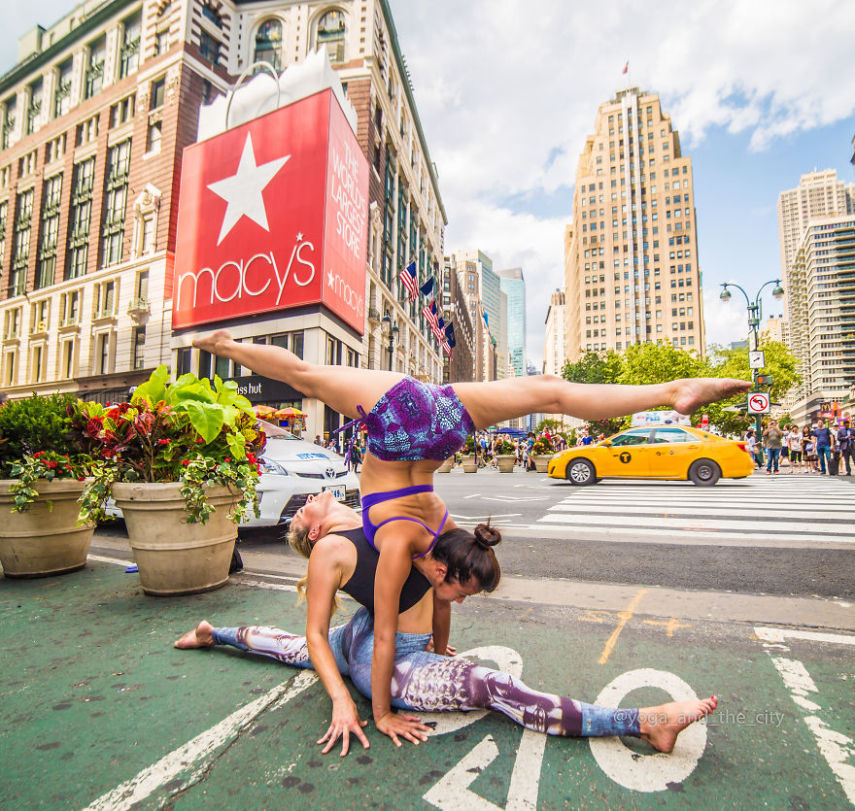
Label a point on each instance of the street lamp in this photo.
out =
(389, 328)
(755, 313)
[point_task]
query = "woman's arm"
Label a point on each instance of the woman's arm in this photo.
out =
(441, 625)
(325, 573)
(393, 567)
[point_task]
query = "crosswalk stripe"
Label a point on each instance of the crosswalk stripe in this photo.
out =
(768, 510)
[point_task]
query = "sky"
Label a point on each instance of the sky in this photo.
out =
(760, 91)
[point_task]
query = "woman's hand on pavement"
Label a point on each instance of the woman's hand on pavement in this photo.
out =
(396, 724)
(345, 721)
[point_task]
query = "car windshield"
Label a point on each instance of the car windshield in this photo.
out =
(636, 437)
(275, 432)
(673, 435)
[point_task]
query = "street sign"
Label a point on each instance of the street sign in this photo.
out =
(756, 359)
(758, 402)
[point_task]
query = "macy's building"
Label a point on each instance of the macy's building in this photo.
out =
(94, 119)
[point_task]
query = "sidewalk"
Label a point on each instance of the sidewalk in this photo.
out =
(100, 711)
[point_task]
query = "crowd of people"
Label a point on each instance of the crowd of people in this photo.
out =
(818, 447)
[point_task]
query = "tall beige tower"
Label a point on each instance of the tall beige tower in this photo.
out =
(819, 194)
(631, 255)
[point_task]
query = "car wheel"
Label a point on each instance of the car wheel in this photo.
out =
(704, 472)
(581, 472)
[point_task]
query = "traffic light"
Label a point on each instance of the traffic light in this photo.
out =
(764, 380)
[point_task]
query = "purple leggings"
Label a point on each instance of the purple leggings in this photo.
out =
(426, 682)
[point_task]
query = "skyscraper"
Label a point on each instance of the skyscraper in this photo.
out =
(631, 256)
(512, 283)
(819, 194)
(821, 318)
(553, 342)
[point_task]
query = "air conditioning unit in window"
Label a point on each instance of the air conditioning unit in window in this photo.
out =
(41, 326)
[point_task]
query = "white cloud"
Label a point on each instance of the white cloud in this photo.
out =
(507, 92)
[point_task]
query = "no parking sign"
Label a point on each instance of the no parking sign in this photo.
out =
(758, 402)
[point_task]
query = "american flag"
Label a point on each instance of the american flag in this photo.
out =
(408, 277)
(431, 314)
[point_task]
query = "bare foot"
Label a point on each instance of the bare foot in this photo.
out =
(210, 342)
(691, 393)
(199, 637)
(661, 725)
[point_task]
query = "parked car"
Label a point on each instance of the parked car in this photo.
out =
(668, 452)
(291, 470)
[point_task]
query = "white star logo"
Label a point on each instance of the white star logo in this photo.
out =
(242, 191)
(330, 278)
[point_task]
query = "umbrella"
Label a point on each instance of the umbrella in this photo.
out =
(288, 413)
(263, 410)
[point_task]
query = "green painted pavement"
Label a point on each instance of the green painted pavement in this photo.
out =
(94, 695)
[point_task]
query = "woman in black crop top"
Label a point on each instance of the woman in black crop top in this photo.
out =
(422, 681)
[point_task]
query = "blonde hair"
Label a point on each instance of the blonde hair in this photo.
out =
(298, 540)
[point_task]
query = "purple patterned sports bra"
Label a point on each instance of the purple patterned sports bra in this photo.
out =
(370, 529)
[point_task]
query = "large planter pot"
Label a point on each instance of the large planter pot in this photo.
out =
(505, 462)
(446, 466)
(541, 463)
(175, 557)
(42, 541)
(470, 463)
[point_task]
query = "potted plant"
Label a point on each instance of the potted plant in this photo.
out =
(180, 460)
(470, 460)
(541, 453)
(42, 467)
(505, 455)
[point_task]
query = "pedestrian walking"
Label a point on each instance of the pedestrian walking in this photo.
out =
(824, 438)
(809, 449)
(772, 437)
(794, 443)
(846, 444)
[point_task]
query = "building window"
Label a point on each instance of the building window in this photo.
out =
(209, 48)
(182, 361)
(122, 111)
(102, 354)
(210, 13)
(69, 308)
(9, 118)
(115, 203)
(37, 367)
(155, 136)
(105, 298)
(95, 68)
(34, 108)
(50, 231)
(87, 131)
(129, 55)
(4, 213)
(147, 241)
(331, 31)
(62, 94)
(138, 358)
(158, 90)
(79, 218)
(161, 42)
(268, 44)
(21, 244)
(67, 359)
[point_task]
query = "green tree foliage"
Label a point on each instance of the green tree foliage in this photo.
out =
(727, 362)
(554, 426)
(595, 368)
(658, 363)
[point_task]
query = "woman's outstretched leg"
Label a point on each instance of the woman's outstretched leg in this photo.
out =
(289, 649)
(499, 400)
(342, 388)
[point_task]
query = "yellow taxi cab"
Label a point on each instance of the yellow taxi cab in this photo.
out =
(666, 452)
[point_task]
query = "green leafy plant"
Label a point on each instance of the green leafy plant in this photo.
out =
(542, 447)
(505, 446)
(37, 444)
(469, 446)
(187, 431)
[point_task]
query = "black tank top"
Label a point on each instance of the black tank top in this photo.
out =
(361, 584)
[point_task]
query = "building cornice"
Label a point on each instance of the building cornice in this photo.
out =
(23, 69)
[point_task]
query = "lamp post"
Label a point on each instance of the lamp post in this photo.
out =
(755, 313)
(389, 328)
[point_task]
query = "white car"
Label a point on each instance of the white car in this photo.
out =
(291, 470)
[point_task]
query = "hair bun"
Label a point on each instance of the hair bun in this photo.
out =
(487, 536)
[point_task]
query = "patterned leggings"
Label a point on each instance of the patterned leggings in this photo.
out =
(426, 682)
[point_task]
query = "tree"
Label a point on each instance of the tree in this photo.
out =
(554, 426)
(727, 362)
(658, 363)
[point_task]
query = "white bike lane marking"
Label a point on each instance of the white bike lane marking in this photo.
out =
(837, 749)
(193, 758)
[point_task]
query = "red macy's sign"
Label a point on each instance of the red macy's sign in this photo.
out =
(272, 215)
